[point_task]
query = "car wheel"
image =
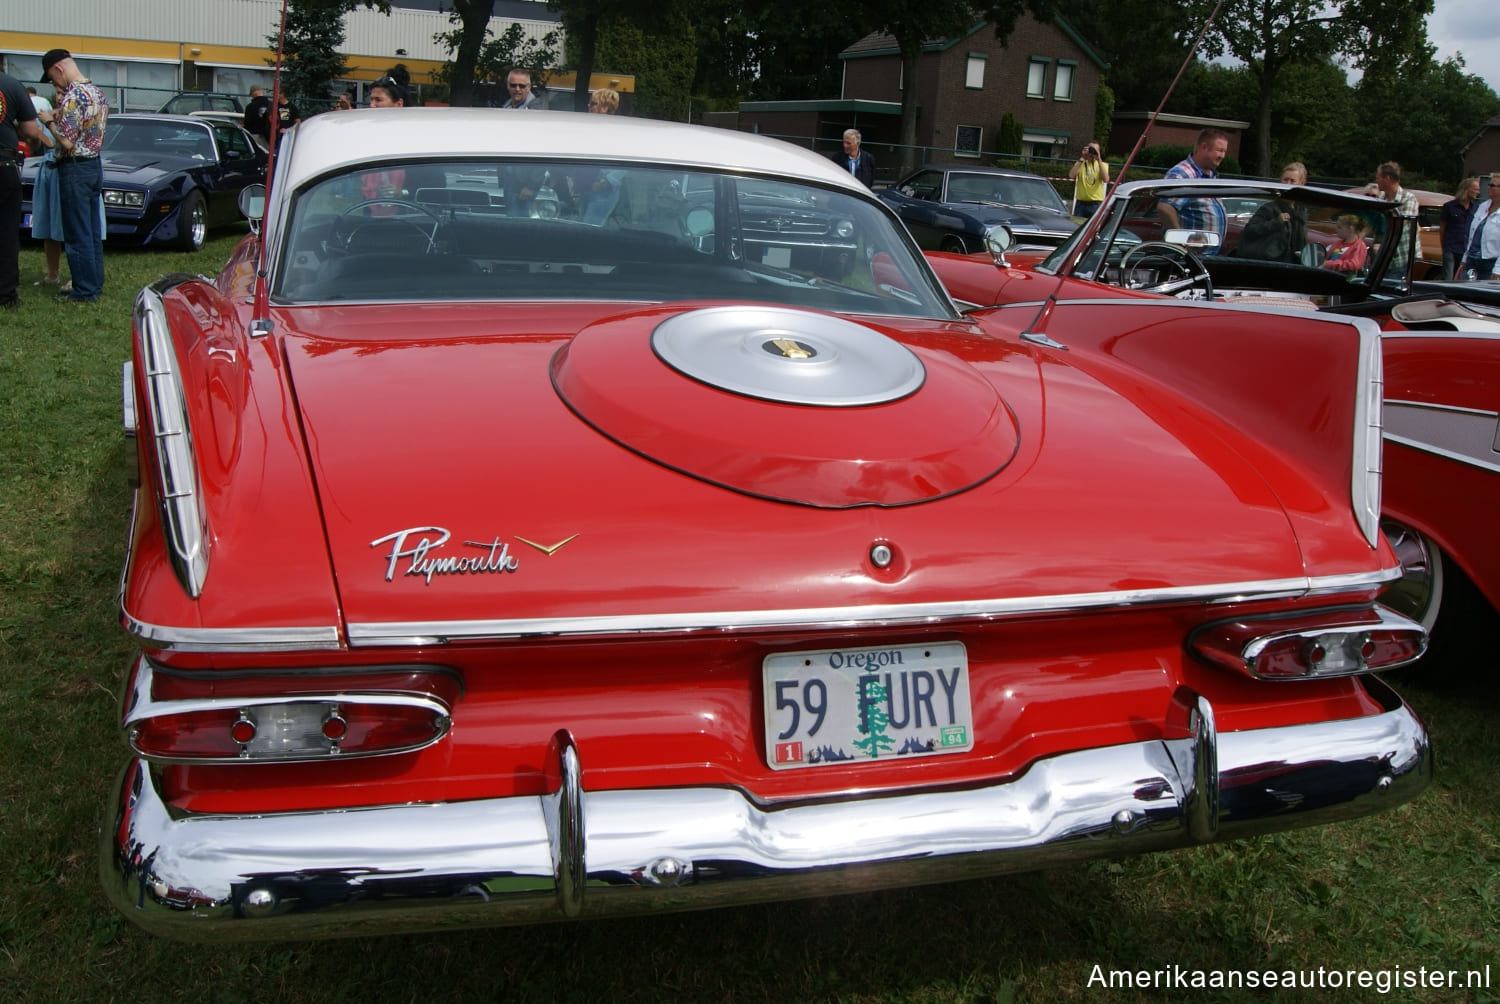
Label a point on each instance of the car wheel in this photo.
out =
(1418, 594)
(1434, 591)
(192, 222)
(955, 245)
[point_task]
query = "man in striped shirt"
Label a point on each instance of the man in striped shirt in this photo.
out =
(1197, 214)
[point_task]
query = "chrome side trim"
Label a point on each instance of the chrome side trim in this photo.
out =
(1366, 470)
(872, 615)
(1467, 435)
(263, 639)
(178, 493)
(385, 869)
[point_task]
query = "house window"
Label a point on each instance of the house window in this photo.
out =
(1041, 146)
(974, 72)
(967, 140)
(1036, 78)
(1062, 83)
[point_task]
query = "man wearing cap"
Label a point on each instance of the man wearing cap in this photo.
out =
(17, 122)
(78, 126)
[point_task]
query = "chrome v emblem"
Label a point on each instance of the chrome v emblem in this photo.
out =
(549, 551)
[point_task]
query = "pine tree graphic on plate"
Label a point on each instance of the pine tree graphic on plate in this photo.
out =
(873, 719)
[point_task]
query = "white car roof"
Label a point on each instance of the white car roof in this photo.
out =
(335, 139)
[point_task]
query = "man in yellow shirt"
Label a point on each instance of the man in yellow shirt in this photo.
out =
(1090, 175)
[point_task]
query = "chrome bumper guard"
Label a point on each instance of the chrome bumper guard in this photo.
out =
(528, 859)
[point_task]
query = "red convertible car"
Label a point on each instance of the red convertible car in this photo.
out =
(500, 557)
(1440, 342)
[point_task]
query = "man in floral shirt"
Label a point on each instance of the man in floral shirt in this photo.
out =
(78, 125)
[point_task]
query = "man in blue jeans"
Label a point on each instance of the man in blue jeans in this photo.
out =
(78, 126)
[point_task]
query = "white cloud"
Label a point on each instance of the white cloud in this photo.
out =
(1472, 28)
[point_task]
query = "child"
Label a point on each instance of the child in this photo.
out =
(1348, 252)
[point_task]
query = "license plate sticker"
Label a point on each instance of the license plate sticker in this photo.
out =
(861, 705)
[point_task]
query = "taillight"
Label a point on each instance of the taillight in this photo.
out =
(271, 727)
(1312, 646)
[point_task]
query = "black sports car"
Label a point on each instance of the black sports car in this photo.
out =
(167, 178)
(954, 207)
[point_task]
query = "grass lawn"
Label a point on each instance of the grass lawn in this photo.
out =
(1417, 887)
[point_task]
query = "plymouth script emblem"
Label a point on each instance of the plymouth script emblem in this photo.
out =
(417, 551)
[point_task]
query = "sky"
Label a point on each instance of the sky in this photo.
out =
(1471, 27)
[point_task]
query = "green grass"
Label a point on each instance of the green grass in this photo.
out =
(1419, 886)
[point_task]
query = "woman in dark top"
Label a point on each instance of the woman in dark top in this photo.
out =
(1453, 225)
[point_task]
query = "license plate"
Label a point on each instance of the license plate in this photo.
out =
(776, 257)
(857, 705)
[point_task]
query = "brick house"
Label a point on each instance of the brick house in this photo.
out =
(1481, 154)
(1047, 76)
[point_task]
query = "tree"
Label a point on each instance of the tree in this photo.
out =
(1270, 36)
(478, 58)
(1144, 43)
(1421, 116)
(1010, 136)
(313, 32)
(585, 21)
(662, 63)
(309, 45)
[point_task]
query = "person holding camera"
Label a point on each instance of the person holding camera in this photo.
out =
(1090, 176)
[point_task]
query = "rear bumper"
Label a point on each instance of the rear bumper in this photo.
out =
(575, 853)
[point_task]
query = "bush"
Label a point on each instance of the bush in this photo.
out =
(1008, 137)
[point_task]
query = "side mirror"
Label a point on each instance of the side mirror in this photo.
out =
(253, 202)
(997, 240)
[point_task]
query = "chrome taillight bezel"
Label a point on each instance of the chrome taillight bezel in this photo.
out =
(1352, 641)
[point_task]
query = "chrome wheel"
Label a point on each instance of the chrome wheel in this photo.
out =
(1418, 594)
(198, 226)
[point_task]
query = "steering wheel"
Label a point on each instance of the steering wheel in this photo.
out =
(1166, 269)
(413, 208)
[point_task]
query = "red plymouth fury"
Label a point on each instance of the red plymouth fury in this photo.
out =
(557, 533)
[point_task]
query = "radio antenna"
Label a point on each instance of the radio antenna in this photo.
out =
(260, 319)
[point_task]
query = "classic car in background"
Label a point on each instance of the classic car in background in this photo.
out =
(953, 208)
(492, 568)
(1441, 343)
(187, 102)
(231, 119)
(168, 179)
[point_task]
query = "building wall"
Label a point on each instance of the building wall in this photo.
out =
(140, 53)
(946, 102)
(1483, 156)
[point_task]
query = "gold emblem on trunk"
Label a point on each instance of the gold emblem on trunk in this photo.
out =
(544, 548)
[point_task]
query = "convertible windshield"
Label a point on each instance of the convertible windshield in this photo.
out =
(1296, 240)
(615, 231)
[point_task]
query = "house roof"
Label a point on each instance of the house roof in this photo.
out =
(882, 43)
